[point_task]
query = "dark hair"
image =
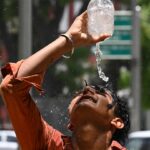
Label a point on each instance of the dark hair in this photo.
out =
(121, 110)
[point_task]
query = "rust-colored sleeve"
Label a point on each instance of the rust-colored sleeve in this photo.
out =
(32, 131)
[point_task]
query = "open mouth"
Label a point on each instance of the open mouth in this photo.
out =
(87, 98)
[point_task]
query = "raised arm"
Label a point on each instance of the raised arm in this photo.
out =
(32, 131)
(77, 32)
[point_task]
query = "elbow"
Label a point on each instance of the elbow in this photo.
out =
(6, 85)
(2, 88)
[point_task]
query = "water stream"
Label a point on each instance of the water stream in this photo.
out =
(98, 55)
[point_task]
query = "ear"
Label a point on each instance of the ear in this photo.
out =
(118, 123)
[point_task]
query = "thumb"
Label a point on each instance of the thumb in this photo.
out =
(103, 37)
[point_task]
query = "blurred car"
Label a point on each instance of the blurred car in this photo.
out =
(8, 140)
(139, 140)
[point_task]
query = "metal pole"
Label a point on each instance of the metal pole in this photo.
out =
(136, 70)
(25, 28)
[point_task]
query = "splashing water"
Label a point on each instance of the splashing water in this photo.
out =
(100, 21)
(98, 54)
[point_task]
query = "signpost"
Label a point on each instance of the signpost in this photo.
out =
(25, 28)
(119, 46)
(136, 70)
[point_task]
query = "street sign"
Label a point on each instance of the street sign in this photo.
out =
(116, 51)
(122, 33)
(123, 18)
(119, 46)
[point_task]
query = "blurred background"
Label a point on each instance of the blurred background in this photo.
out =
(28, 25)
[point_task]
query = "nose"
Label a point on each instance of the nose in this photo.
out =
(88, 90)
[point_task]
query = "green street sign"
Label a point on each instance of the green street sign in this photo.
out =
(122, 34)
(116, 51)
(119, 46)
(123, 18)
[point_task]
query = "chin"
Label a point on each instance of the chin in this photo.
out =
(82, 110)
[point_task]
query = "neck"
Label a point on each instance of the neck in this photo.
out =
(90, 137)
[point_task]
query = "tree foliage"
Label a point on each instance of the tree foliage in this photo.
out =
(145, 50)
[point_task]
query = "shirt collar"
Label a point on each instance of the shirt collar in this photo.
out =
(67, 144)
(116, 145)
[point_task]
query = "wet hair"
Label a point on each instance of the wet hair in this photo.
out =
(121, 110)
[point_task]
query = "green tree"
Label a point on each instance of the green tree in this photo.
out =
(145, 50)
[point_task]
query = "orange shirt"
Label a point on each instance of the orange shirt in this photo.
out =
(32, 131)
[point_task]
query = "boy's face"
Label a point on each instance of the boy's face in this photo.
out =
(91, 106)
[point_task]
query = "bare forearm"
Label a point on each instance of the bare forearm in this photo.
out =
(39, 61)
(79, 36)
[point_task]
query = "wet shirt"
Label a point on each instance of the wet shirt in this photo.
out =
(32, 131)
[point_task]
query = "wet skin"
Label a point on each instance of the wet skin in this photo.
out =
(91, 105)
(91, 120)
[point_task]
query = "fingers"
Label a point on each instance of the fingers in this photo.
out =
(103, 37)
(84, 15)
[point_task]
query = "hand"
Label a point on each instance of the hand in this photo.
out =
(79, 33)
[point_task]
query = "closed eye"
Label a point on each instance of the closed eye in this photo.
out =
(103, 94)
